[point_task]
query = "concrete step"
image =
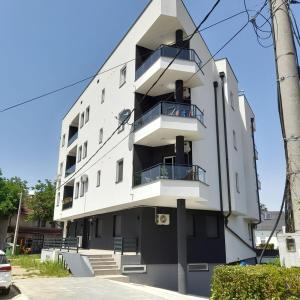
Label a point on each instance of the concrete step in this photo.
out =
(105, 267)
(120, 278)
(100, 256)
(101, 259)
(98, 272)
(101, 263)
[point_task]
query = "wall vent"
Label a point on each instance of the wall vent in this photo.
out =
(128, 269)
(198, 267)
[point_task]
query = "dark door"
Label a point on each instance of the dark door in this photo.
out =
(86, 234)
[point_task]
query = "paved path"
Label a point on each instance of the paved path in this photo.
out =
(71, 288)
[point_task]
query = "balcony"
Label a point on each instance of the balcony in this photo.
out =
(72, 139)
(184, 67)
(162, 123)
(70, 170)
(67, 203)
(170, 172)
(162, 184)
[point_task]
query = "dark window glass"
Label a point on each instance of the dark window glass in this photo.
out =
(117, 226)
(190, 225)
(119, 171)
(212, 230)
(99, 227)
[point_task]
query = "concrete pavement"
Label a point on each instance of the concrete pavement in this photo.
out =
(71, 288)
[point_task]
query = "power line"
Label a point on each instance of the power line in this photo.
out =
(105, 71)
(127, 119)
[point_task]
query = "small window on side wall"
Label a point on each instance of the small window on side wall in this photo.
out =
(102, 96)
(76, 190)
(100, 135)
(119, 171)
(234, 139)
(98, 178)
(81, 120)
(123, 72)
(237, 182)
(87, 114)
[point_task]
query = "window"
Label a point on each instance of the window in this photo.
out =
(79, 154)
(232, 100)
(268, 216)
(212, 227)
(102, 96)
(84, 150)
(81, 120)
(99, 228)
(237, 182)
(63, 139)
(84, 185)
(119, 176)
(100, 135)
(123, 76)
(98, 178)
(117, 226)
(76, 190)
(190, 225)
(234, 140)
(87, 114)
(58, 199)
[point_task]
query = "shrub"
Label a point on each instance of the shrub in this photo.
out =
(261, 282)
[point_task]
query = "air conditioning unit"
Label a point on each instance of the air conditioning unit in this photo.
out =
(162, 219)
(186, 93)
(187, 147)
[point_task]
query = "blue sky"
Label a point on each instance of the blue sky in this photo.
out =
(49, 44)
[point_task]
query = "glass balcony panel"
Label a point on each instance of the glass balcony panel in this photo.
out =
(72, 138)
(70, 170)
(169, 109)
(170, 52)
(170, 172)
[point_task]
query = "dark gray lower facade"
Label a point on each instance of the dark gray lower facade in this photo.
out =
(156, 245)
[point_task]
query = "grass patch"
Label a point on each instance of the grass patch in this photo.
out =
(33, 265)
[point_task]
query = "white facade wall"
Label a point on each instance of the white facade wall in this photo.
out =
(157, 25)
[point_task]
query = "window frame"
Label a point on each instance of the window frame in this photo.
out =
(103, 92)
(98, 179)
(123, 75)
(79, 153)
(237, 182)
(82, 120)
(84, 150)
(77, 187)
(118, 180)
(101, 135)
(87, 114)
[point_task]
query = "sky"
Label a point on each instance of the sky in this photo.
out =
(49, 44)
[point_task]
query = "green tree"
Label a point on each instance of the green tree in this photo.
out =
(41, 203)
(10, 190)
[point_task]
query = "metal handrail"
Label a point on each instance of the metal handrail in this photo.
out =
(170, 172)
(124, 244)
(70, 243)
(169, 108)
(70, 170)
(167, 51)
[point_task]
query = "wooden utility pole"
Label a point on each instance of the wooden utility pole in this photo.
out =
(289, 88)
(17, 225)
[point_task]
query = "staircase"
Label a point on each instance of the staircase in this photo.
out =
(103, 264)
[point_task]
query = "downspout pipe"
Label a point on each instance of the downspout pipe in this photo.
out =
(222, 76)
(216, 84)
(256, 177)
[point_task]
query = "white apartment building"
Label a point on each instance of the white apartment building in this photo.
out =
(178, 180)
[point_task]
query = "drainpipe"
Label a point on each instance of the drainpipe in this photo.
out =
(256, 177)
(218, 145)
(226, 218)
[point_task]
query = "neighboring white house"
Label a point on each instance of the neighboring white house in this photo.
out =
(190, 138)
(264, 229)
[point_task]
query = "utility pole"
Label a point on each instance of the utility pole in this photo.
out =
(288, 80)
(17, 225)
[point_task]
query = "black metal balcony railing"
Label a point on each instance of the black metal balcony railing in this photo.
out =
(169, 109)
(70, 170)
(170, 52)
(67, 203)
(72, 138)
(169, 171)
